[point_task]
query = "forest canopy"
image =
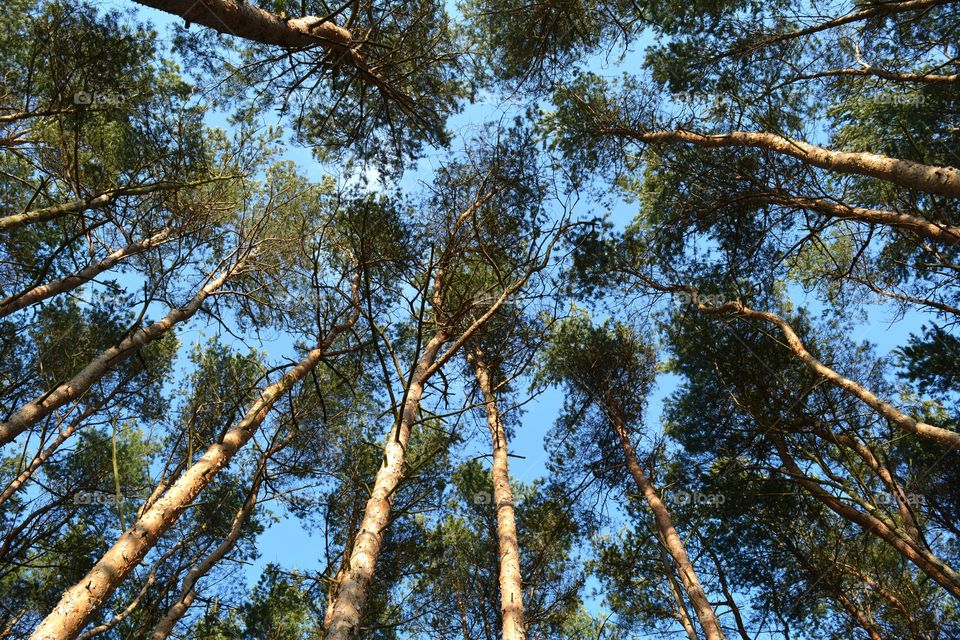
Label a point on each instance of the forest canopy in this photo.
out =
(479, 320)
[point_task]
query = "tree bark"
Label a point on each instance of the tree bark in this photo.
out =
(511, 583)
(896, 76)
(946, 234)
(130, 608)
(164, 627)
(668, 533)
(80, 601)
(104, 199)
(944, 437)
(352, 594)
(881, 9)
(905, 173)
(31, 413)
(939, 571)
(248, 21)
(43, 292)
(683, 616)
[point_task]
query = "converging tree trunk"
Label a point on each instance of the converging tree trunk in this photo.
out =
(164, 627)
(683, 616)
(688, 576)
(42, 292)
(511, 583)
(31, 413)
(70, 615)
(919, 555)
(944, 437)
(99, 201)
(351, 595)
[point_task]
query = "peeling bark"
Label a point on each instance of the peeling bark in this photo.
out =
(248, 21)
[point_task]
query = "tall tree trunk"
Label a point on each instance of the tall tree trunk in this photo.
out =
(31, 413)
(42, 292)
(683, 616)
(905, 173)
(930, 564)
(130, 608)
(99, 201)
(248, 21)
(698, 598)
(511, 583)
(188, 594)
(352, 594)
(80, 601)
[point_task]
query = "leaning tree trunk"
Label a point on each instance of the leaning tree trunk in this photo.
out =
(83, 599)
(941, 180)
(511, 583)
(683, 616)
(351, 596)
(944, 437)
(188, 593)
(701, 606)
(942, 573)
(99, 201)
(31, 413)
(69, 283)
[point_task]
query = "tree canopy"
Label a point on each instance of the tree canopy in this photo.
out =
(492, 319)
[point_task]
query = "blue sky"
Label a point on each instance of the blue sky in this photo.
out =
(290, 544)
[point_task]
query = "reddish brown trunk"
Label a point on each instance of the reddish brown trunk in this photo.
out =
(698, 598)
